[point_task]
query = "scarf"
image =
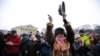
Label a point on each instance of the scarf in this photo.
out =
(61, 44)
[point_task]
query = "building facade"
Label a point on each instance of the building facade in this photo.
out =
(25, 29)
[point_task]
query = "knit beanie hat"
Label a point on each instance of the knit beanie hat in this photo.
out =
(81, 31)
(13, 31)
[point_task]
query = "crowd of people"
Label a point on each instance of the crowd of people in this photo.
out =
(63, 42)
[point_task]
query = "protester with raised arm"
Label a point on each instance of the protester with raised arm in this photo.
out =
(66, 39)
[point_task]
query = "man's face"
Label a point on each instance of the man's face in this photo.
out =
(77, 39)
(81, 34)
(37, 32)
(13, 34)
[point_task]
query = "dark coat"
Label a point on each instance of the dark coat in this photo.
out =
(24, 43)
(45, 49)
(2, 44)
(81, 50)
(97, 49)
(77, 48)
(33, 47)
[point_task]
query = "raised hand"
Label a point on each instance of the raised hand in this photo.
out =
(50, 18)
(64, 15)
(9, 43)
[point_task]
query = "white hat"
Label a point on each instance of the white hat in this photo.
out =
(77, 36)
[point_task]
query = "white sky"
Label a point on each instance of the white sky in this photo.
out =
(23, 12)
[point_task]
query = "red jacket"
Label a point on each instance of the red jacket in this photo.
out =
(16, 40)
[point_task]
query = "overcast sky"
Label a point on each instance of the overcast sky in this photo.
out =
(23, 12)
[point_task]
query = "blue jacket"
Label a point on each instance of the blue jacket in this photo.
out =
(45, 49)
(24, 43)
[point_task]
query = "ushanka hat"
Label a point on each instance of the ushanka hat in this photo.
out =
(61, 9)
(59, 31)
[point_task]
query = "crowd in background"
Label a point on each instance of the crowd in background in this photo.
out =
(12, 44)
(30, 45)
(58, 43)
